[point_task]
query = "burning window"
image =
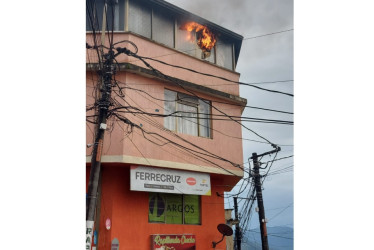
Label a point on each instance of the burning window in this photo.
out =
(204, 38)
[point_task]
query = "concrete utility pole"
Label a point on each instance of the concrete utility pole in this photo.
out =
(260, 201)
(238, 239)
(103, 104)
(107, 73)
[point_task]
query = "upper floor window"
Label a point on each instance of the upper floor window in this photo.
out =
(140, 18)
(156, 23)
(188, 114)
(115, 15)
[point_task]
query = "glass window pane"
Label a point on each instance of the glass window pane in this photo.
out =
(174, 209)
(115, 15)
(224, 54)
(187, 99)
(163, 28)
(187, 119)
(169, 107)
(204, 121)
(186, 41)
(157, 203)
(191, 209)
(140, 18)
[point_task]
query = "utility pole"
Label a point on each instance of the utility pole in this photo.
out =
(107, 73)
(238, 240)
(260, 201)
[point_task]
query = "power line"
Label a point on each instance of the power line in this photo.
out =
(280, 211)
(210, 75)
(278, 159)
(279, 111)
(170, 79)
(159, 126)
(279, 81)
(176, 114)
(270, 234)
(194, 152)
(244, 39)
(213, 129)
(281, 171)
(253, 37)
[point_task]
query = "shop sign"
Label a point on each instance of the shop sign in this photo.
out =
(173, 242)
(89, 232)
(169, 181)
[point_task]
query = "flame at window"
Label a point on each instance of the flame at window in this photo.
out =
(205, 38)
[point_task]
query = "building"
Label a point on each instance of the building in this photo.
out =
(161, 179)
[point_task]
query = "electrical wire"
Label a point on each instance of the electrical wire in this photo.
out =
(268, 34)
(286, 157)
(214, 76)
(253, 107)
(207, 153)
(176, 114)
(240, 138)
(244, 39)
(126, 121)
(168, 78)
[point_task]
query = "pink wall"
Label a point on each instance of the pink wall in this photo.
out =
(149, 48)
(117, 143)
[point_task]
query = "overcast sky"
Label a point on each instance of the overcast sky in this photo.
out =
(262, 59)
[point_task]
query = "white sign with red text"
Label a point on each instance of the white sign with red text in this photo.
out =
(169, 181)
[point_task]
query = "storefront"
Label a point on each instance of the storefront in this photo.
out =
(158, 208)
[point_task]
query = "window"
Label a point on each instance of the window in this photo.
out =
(140, 18)
(174, 208)
(188, 114)
(115, 8)
(225, 54)
(163, 27)
(158, 23)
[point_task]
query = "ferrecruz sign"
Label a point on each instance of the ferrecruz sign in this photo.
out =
(173, 242)
(169, 181)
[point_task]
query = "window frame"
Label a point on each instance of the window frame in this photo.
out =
(194, 102)
(123, 10)
(119, 12)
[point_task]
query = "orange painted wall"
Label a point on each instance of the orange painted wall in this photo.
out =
(128, 211)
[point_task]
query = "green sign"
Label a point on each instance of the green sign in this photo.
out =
(171, 208)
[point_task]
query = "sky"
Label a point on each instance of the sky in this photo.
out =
(262, 59)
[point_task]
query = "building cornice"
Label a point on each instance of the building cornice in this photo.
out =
(133, 160)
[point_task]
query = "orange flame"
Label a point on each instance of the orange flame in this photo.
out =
(205, 38)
